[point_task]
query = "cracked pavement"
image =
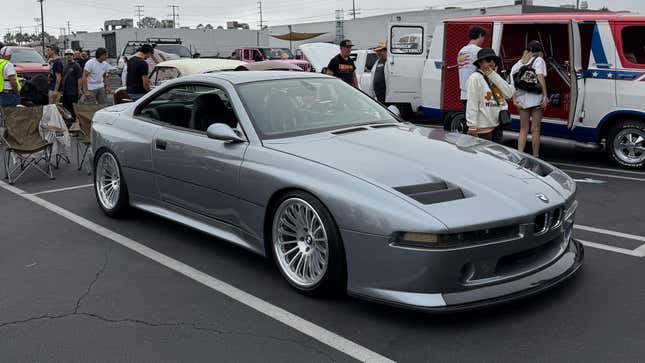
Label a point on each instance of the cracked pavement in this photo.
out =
(67, 295)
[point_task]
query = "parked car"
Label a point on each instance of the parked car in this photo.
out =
(28, 62)
(168, 70)
(250, 55)
(306, 169)
(595, 65)
(269, 65)
(165, 49)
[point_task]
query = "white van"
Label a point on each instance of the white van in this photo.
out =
(596, 74)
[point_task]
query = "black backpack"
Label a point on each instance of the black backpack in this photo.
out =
(526, 79)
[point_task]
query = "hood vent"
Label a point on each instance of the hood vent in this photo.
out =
(432, 193)
(350, 130)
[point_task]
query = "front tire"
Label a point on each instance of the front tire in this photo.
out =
(626, 144)
(307, 246)
(458, 123)
(109, 186)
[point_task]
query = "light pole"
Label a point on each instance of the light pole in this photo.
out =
(42, 25)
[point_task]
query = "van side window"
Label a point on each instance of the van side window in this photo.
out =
(633, 38)
(406, 39)
(369, 62)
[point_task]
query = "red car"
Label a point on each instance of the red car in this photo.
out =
(28, 62)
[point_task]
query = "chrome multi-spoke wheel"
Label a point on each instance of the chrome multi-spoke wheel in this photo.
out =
(109, 185)
(300, 243)
(626, 144)
(630, 145)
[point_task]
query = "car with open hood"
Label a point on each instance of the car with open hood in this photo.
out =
(309, 171)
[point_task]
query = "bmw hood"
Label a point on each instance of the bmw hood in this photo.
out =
(458, 179)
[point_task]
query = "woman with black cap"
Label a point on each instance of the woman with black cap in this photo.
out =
(528, 77)
(487, 94)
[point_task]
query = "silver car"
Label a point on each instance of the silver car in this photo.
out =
(306, 169)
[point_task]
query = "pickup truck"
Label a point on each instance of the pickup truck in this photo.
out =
(250, 55)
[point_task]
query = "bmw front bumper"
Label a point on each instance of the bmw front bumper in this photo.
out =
(441, 280)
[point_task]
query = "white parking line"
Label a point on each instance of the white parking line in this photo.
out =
(605, 175)
(598, 168)
(610, 232)
(601, 246)
(306, 327)
(64, 189)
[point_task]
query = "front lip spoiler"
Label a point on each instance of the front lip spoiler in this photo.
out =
(481, 304)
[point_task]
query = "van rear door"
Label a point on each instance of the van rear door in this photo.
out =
(576, 111)
(407, 48)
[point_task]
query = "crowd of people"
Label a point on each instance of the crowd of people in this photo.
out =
(77, 78)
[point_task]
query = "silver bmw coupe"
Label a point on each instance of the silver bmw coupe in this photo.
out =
(336, 189)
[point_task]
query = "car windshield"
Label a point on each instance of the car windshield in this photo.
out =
(178, 49)
(277, 53)
(292, 107)
(26, 56)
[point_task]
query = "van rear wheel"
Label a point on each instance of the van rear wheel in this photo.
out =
(626, 144)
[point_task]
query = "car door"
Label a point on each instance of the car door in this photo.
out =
(406, 57)
(195, 173)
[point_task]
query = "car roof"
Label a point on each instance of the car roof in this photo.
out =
(187, 66)
(551, 17)
(237, 77)
(19, 47)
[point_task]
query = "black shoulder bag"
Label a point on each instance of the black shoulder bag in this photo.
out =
(526, 78)
(504, 117)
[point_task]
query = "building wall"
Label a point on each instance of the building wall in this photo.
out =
(207, 42)
(367, 32)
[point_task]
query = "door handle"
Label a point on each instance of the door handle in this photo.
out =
(160, 144)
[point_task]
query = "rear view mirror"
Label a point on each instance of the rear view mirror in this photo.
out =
(220, 131)
(394, 110)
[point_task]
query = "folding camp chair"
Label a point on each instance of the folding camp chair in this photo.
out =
(24, 146)
(84, 115)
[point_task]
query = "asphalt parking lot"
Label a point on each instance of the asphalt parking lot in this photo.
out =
(76, 285)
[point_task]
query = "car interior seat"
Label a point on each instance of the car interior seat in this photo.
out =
(208, 109)
(279, 112)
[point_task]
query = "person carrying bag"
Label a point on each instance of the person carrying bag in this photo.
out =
(487, 110)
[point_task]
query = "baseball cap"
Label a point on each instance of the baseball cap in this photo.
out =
(381, 46)
(535, 46)
(346, 43)
(54, 48)
(69, 51)
(5, 51)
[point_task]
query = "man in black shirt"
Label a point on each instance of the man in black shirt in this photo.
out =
(71, 82)
(342, 66)
(137, 80)
(55, 73)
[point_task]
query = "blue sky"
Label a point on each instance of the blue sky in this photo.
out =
(89, 14)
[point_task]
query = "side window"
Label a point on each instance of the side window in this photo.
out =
(191, 106)
(165, 74)
(633, 39)
(369, 62)
(407, 39)
(247, 54)
(353, 56)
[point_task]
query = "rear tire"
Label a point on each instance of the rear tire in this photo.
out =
(109, 185)
(306, 245)
(626, 144)
(458, 123)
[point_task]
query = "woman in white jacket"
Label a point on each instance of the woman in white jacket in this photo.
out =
(485, 101)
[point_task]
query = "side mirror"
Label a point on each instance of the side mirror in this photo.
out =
(220, 131)
(394, 110)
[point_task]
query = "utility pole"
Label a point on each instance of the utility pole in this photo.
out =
(69, 32)
(42, 25)
(175, 14)
(353, 10)
(261, 23)
(138, 12)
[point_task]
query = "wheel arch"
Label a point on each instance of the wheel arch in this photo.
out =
(612, 118)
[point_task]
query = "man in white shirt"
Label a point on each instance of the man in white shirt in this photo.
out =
(95, 78)
(9, 88)
(467, 56)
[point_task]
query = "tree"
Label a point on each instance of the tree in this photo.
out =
(200, 26)
(8, 38)
(149, 22)
(209, 27)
